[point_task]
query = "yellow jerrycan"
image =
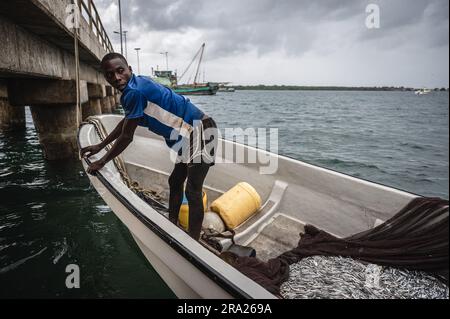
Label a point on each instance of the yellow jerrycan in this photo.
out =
(237, 205)
(183, 217)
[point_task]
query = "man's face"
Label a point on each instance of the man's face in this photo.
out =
(117, 73)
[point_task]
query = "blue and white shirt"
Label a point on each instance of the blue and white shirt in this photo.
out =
(161, 110)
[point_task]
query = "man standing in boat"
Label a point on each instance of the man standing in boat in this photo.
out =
(186, 129)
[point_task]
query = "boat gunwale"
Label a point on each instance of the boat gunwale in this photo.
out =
(328, 170)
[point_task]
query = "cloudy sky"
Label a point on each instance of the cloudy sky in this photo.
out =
(291, 42)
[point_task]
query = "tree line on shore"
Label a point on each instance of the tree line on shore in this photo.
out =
(326, 88)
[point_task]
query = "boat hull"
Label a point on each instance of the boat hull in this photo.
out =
(196, 91)
(179, 275)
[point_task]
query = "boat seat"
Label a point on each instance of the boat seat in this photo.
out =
(250, 229)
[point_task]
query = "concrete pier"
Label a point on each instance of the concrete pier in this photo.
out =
(94, 105)
(91, 108)
(117, 96)
(109, 95)
(38, 63)
(11, 117)
(56, 126)
(54, 111)
(106, 105)
(112, 100)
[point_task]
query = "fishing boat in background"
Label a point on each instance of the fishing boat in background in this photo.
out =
(223, 87)
(170, 79)
(423, 91)
(166, 78)
(197, 89)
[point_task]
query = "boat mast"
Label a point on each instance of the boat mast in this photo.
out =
(187, 69)
(199, 63)
(167, 59)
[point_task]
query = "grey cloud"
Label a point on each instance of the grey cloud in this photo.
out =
(237, 26)
(419, 22)
(292, 26)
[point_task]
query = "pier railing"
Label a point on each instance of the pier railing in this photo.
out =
(90, 14)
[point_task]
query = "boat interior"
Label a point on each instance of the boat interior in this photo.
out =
(295, 194)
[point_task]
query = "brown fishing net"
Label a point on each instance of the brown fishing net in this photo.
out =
(416, 238)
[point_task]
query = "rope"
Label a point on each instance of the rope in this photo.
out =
(150, 196)
(77, 64)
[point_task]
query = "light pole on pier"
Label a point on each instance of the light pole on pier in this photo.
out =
(126, 49)
(125, 37)
(121, 33)
(139, 66)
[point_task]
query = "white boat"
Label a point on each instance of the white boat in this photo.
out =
(423, 92)
(227, 89)
(298, 193)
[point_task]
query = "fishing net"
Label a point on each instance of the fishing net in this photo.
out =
(321, 277)
(415, 239)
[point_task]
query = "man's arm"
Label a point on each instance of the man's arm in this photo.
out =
(122, 142)
(114, 134)
(94, 149)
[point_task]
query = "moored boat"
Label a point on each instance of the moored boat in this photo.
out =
(225, 87)
(293, 195)
(422, 91)
(199, 89)
(169, 79)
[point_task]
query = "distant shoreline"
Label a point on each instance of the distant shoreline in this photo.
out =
(326, 88)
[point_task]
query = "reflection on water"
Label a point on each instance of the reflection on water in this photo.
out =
(51, 217)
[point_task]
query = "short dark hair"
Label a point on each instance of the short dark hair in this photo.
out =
(113, 55)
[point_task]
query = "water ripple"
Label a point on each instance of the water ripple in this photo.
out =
(20, 262)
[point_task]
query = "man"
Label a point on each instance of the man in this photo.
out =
(172, 116)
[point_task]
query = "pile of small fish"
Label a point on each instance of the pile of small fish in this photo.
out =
(344, 278)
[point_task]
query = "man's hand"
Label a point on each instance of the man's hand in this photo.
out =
(95, 167)
(90, 150)
(122, 142)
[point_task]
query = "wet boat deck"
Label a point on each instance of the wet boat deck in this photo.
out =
(280, 235)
